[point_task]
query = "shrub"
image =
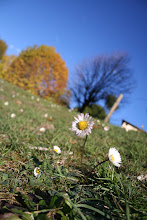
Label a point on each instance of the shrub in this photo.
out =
(96, 111)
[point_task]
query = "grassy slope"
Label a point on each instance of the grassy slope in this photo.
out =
(119, 192)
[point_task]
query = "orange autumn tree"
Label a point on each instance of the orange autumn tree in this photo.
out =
(6, 61)
(39, 70)
(3, 48)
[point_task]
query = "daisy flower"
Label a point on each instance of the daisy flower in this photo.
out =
(38, 99)
(46, 115)
(13, 115)
(32, 97)
(141, 177)
(82, 125)
(57, 149)
(42, 129)
(37, 172)
(21, 110)
(114, 157)
(106, 128)
(6, 103)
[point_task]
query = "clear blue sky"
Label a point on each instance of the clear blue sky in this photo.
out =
(79, 29)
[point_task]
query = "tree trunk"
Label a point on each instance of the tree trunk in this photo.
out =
(113, 107)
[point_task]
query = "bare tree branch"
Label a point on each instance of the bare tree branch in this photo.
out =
(99, 77)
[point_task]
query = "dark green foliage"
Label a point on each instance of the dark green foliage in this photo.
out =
(95, 111)
(110, 100)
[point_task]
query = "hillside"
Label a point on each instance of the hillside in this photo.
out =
(68, 188)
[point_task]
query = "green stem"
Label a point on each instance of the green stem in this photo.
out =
(80, 193)
(83, 148)
(99, 163)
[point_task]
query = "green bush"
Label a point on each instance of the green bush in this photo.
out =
(96, 111)
(110, 100)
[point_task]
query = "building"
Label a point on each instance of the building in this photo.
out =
(129, 126)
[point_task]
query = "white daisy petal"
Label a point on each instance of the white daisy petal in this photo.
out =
(80, 117)
(42, 129)
(13, 115)
(6, 103)
(46, 115)
(106, 128)
(141, 177)
(76, 119)
(114, 157)
(37, 172)
(87, 116)
(57, 149)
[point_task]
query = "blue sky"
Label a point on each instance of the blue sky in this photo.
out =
(80, 29)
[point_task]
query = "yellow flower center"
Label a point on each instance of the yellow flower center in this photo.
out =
(56, 150)
(82, 125)
(37, 171)
(113, 159)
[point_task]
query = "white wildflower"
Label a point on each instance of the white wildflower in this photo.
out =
(114, 157)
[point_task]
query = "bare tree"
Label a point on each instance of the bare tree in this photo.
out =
(98, 77)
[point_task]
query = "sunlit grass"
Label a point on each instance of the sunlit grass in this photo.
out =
(105, 192)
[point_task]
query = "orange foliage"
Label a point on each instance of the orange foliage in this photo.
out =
(40, 70)
(3, 48)
(5, 63)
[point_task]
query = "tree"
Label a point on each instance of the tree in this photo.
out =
(95, 111)
(40, 70)
(110, 100)
(3, 48)
(5, 63)
(98, 77)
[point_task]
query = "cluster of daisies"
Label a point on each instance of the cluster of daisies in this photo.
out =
(82, 126)
(106, 128)
(32, 97)
(42, 130)
(13, 115)
(37, 170)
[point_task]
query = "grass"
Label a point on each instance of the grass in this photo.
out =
(66, 189)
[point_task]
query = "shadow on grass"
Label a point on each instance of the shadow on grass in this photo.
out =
(36, 161)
